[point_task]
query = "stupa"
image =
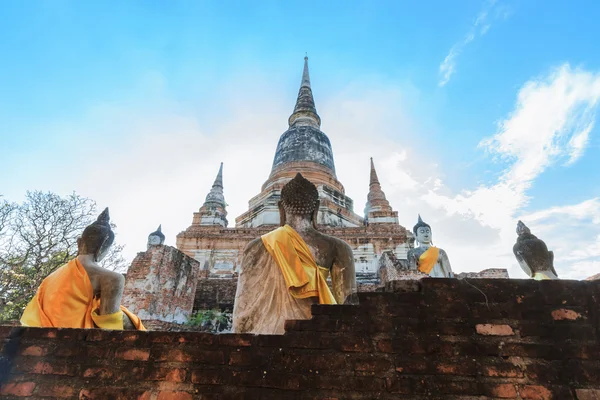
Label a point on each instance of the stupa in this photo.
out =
(303, 148)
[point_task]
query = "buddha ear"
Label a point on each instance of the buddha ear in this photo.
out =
(281, 213)
(315, 214)
(103, 246)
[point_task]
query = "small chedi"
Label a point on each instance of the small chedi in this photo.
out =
(427, 258)
(161, 283)
(533, 255)
(82, 294)
(284, 272)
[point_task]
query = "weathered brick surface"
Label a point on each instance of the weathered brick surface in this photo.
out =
(435, 339)
(161, 285)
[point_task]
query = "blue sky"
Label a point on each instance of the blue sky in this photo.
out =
(156, 94)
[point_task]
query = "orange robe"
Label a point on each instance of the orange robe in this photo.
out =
(428, 259)
(65, 299)
(281, 283)
(303, 277)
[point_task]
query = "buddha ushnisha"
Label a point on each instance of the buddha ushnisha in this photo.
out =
(284, 272)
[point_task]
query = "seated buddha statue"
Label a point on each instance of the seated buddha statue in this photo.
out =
(284, 272)
(82, 294)
(156, 238)
(533, 255)
(427, 258)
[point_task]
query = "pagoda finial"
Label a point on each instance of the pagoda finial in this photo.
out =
(305, 75)
(219, 179)
(374, 179)
(305, 112)
(214, 212)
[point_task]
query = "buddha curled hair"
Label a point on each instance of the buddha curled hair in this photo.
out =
(299, 196)
(98, 236)
(420, 224)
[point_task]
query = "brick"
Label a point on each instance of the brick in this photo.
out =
(167, 374)
(46, 368)
(565, 314)
(494, 330)
(502, 390)
(111, 393)
(535, 392)
(501, 370)
(98, 372)
(133, 354)
(587, 394)
(54, 390)
(174, 396)
(189, 354)
(208, 377)
(372, 363)
(36, 351)
(21, 389)
(240, 357)
(235, 340)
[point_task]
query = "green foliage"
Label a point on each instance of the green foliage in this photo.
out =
(208, 319)
(37, 237)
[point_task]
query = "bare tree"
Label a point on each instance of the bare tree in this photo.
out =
(37, 237)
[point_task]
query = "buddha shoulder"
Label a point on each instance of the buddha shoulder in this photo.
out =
(416, 252)
(253, 251)
(340, 246)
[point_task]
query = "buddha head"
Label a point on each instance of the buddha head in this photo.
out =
(97, 238)
(156, 238)
(422, 232)
(299, 197)
(522, 228)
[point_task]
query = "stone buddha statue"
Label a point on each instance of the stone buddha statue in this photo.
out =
(82, 294)
(427, 258)
(533, 255)
(284, 272)
(156, 238)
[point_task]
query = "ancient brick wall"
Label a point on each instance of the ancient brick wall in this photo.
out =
(161, 285)
(490, 273)
(215, 293)
(220, 250)
(428, 339)
(220, 292)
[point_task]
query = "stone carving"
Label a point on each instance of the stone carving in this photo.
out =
(156, 238)
(426, 257)
(264, 300)
(533, 255)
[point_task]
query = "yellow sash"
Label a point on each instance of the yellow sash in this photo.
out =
(303, 277)
(428, 259)
(65, 299)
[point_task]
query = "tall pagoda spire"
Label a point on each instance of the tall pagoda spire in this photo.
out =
(378, 209)
(374, 179)
(219, 179)
(305, 112)
(213, 212)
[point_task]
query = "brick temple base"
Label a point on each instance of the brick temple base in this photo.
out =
(433, 339)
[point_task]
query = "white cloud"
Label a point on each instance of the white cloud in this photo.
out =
(551, 121)
(479, 28)
(573, 233)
